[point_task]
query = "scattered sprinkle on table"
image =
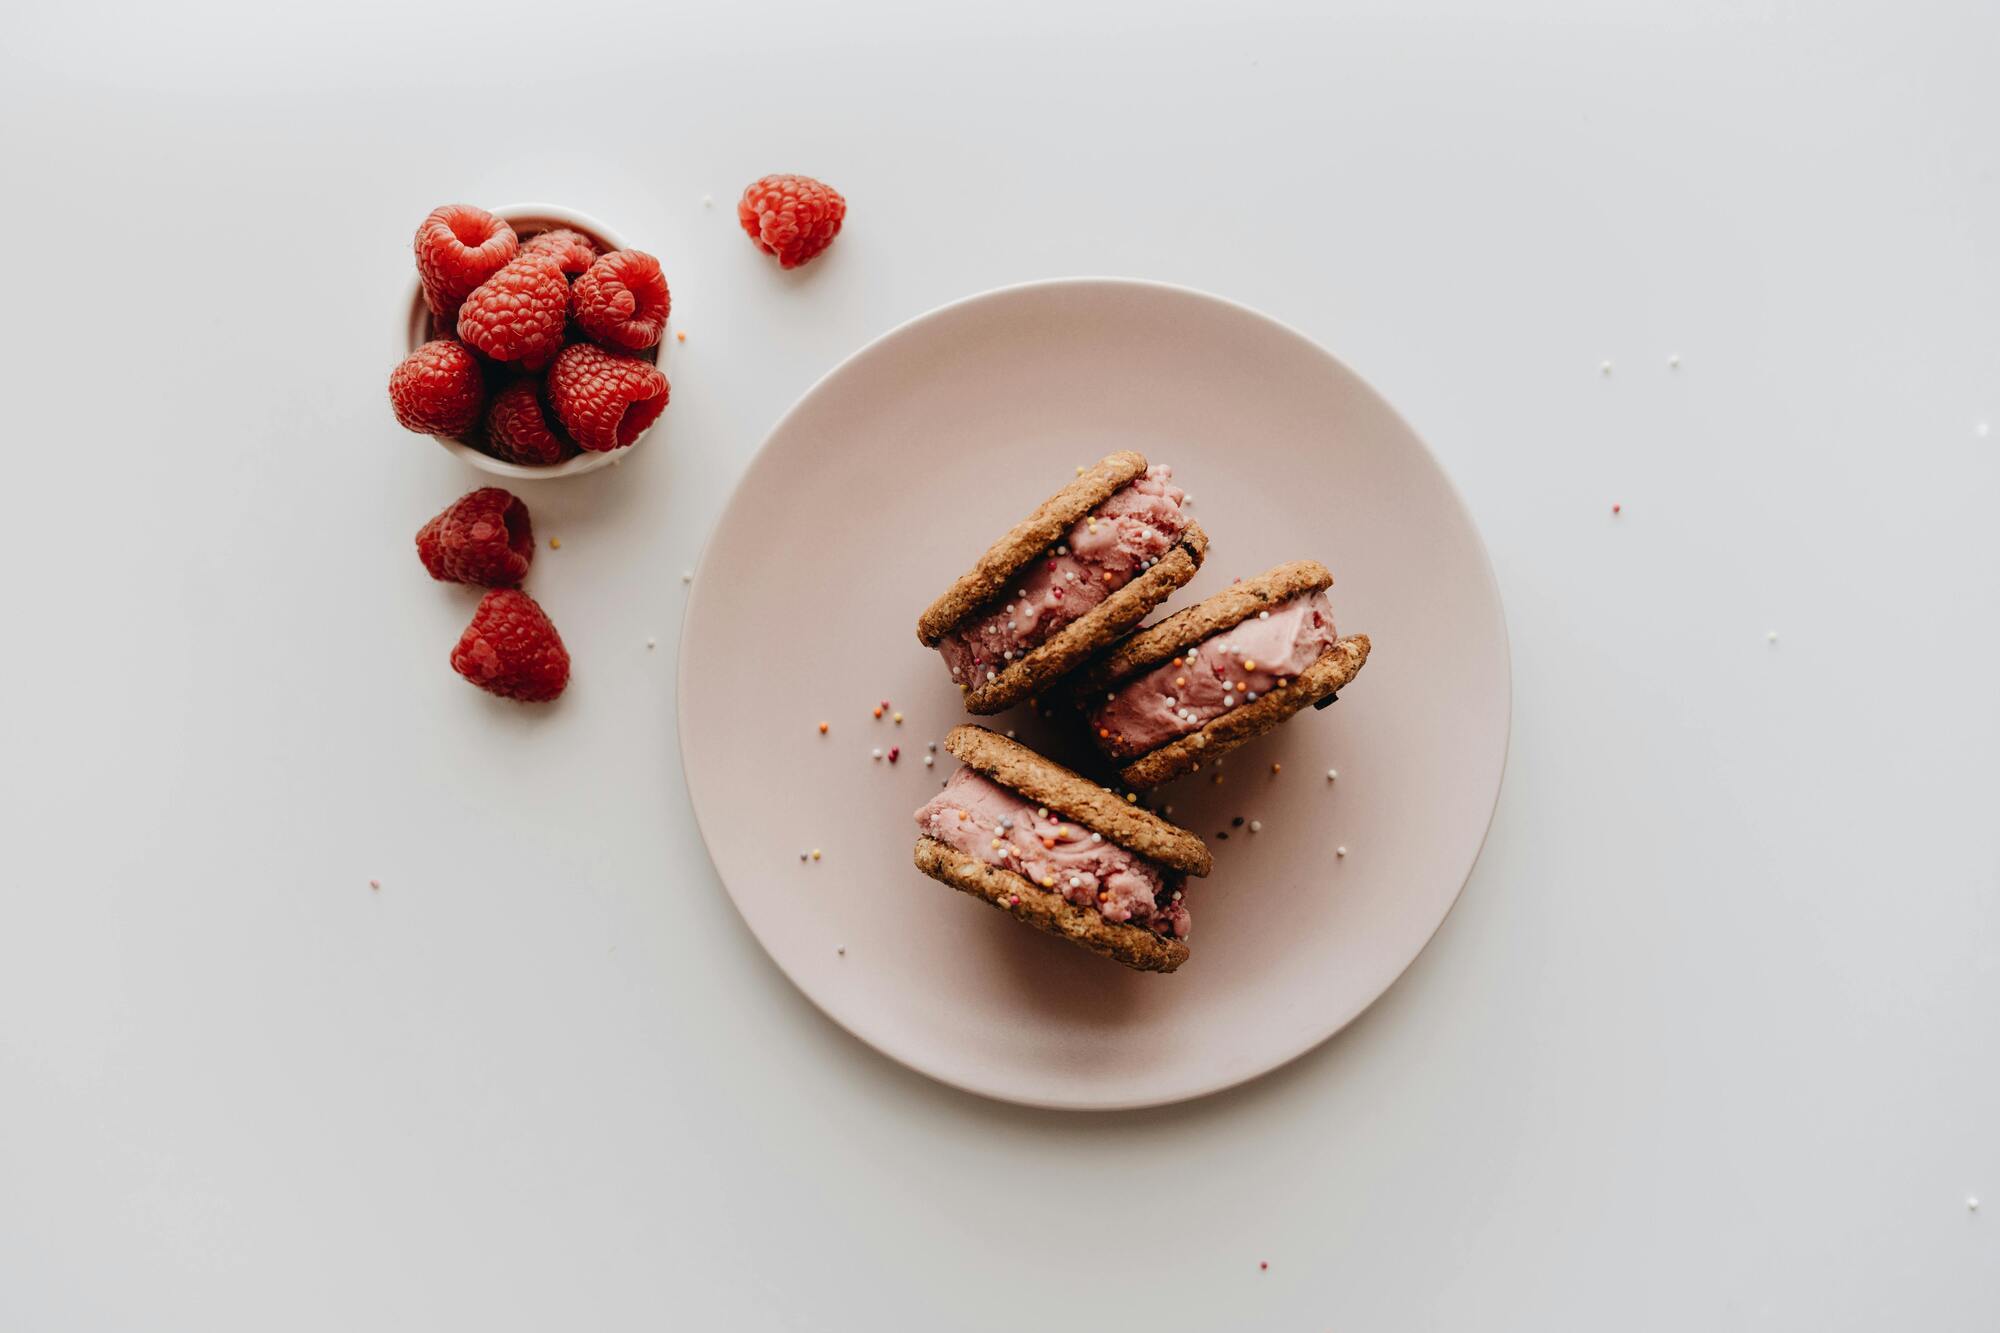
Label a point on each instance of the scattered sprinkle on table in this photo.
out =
(555, 543)
(840, 949)
(1604, 368)
(894, 751)
(1674, 361)
(1771, 636)
(876, 753)
(898, 718)
(1256, 826)
(1263, 1265)
(687, 575)
(375, 884)
(680, 335)
(878, 711)
(1277, 769)
(652, 642)
(822, 728)
(708, 201)
(929, 759)
(1972, 1203)
(1236, 822)
(815, 853)
(1333, 775)
(1340, 850)
(1617, 509)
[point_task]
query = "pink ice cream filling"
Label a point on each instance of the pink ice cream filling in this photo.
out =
(1221, 673)
(1101, 553)
(983, 819)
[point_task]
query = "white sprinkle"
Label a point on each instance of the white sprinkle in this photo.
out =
(1166, 809)
(652, 643)
(1076, 881)
(1097, 837)
(1019, 592)
(687, 576)
(1010, 733)
(954, 673)
(1674, 361)
(931, 746)
(1010, 625)
(1256, 826)
(1062, 550)
(1041, 812)
(1228, 701)
(1604, 369)
(992, 675)
(929, 759)
(841, 949)
(1187, 499)
(1177, 895)
(1982, 430)
(1332, 774)
(1972, 1203)
(876, 753)
(1249, 696)
(1340, 851)
(1172, 702)
(1771, 637)
(708, 201)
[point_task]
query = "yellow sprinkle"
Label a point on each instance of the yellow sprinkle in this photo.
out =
(1249, 665)
(1131, 796)
(899, 717)
(1079, 469)
(996, 842)
(555, 543)
(815, 853)
(1048, 883)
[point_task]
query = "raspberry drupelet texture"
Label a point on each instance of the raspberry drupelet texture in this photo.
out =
(574, 252)
(517, 315)
(792, 217)
(437, 389)
(519, 430)
(604, 399)
(512, 650)
(458, 247)
(483, 537)
(622, 300)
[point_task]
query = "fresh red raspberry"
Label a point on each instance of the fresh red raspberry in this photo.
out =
(792, 217)
(518, 430)
(482, 537)
(574, 251)
(437, 389)
(622, 300)
(510, 649)
(605, 399)
(459, 247)
(518, 314)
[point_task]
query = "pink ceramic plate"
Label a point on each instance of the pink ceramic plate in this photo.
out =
(883, 484)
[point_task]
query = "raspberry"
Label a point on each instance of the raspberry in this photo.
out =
(622, 300)
(482, 537)
(573, 250)
(792, 217)
(510, 649)
(517, 429)
(437, 390)
(459, 247)
(518, 313)
(604, 399)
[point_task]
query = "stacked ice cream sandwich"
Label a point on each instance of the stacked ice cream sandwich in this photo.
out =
(1050, 610)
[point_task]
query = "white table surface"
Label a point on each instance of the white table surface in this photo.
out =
(1709, 1041)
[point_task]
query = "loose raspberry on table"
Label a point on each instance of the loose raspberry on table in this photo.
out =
(483, 537)
(518, 429)
(574, 252)
(605, 399)
(622, 300)
(518, 314)
(512, 650)
(792, 217)
(458, 247)
(437, 389)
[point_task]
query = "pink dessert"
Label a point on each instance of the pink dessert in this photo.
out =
(978, 816)
(1220, 673)
(1100, 554)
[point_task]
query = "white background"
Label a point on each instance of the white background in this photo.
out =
(1710, 1039)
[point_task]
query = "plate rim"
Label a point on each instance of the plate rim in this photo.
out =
(736, 496)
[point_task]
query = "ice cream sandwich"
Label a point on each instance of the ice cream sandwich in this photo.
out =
(1224, 671)
(1070, 578)
(1060, 853)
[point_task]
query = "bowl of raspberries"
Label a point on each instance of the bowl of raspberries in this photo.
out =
(535, 338)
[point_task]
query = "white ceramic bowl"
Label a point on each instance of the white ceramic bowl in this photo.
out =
(532, 218)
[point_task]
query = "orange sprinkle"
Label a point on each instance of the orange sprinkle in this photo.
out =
(822, 728)
(1276, 767)
(1249, 665)
(555, 543)
(681, 336)
(1048, 844)
(878, 712)
(1107, 576)
(1180, 682)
